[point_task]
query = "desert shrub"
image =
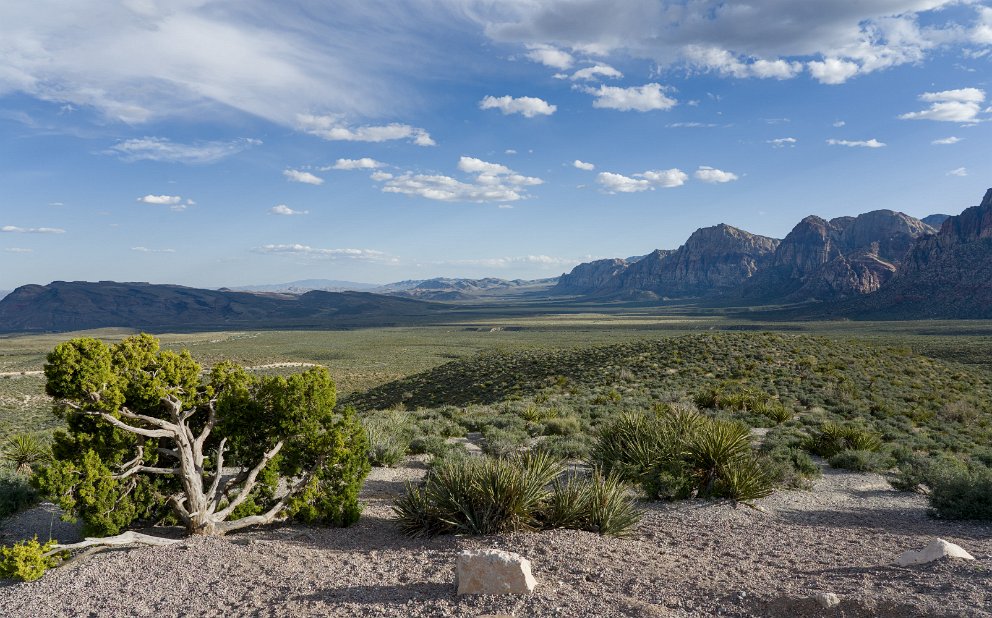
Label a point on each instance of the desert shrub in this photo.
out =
(26, 561)
(918, 473)
(503, 442)
(577, 446)
(681, 453)
(597, 504)
(790, 467)
(478, 496)
(389, 435)
(16, 493)
(832, 438)
(962, 495)
(494, 495)
(562, 426)
(743, 399)
(24, 452)
(858, 460)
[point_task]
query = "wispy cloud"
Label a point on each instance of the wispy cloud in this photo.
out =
(303, 177)
(286, 211)
(715, 58)
(644, 181)
(18, 250)
(492, 182)
(961, 171)
(528, 107)
(147, 250)
(333, 128)
(582, 165)
(14, 229)
(306, 251)
(596, 72)
(871, 143)
(644, 98)
(962, 105)
(164, 150)
(947, 141)
(782, 142)
(713, 175)
(365, 163)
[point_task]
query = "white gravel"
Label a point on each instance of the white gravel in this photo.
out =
(688, 559)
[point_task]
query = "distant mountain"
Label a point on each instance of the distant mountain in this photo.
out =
(712, 261)
(945, 275)
(445, 289)
(77, 305)
(4, 293)
(935, 221)
(307, 285)
(840, 258)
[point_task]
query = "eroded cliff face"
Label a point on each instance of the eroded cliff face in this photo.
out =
(591, 277)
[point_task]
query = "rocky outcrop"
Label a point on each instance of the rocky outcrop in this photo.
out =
(591, 277)
(945, 275)
(78, 305)
(841, 258)
(935, 221)
(937, 549)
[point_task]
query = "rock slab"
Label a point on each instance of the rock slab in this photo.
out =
(827, 600)
(492, 571)
(936, 550)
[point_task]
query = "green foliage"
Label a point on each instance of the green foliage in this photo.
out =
(919, 473)
(681, 453)
(472, 495)
(324, 448)
(26, 561)
(389, 435)
(832, 438)
(24, 451)
(738, 398)
(962, 495)
(16, 493)
(861, 460)
(790, 467)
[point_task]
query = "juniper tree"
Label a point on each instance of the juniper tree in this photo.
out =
(148, 437)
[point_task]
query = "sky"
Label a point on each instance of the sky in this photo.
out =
(235, 142)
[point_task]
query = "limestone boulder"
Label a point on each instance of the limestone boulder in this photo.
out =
(492, 571)
(936, 550)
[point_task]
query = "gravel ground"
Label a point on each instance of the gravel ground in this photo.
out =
(689, 559)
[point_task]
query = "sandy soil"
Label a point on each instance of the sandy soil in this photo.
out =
(690, 559)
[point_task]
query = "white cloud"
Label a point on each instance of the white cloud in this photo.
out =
(161, 200)
(166, 151)
(303, 177)
(147, 250)
(493, 182)
(691, 125)
(510, 151)
(872, 143)
(365, 163)
(332, 128)
(282, 209)
(18, 250)
(306, 251)
(961, 105)
(525, 106)
(582, 165)
(636, 98)
(595, 72)
(726, 63)
(833, 70)
(947, 141)
(839, 123)
(550, 57)
(13, 229)
(781, 142)
(174, 202)
(713, 175)
(645, 181)
(380, 176)
(961, 171)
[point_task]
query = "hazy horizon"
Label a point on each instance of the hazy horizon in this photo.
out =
(213, 143)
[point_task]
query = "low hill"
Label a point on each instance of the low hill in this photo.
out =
(448, 289)
(78, 305)
(306, 285)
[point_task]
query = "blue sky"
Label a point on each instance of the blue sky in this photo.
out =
(212, 143)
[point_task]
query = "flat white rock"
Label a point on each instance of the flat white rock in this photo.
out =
(936, 550)
(492, 571)
(827, 600)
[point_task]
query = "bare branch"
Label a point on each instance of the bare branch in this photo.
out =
(116, 422)
(148, 469)
(212, 494)
(211, 421)
(140, 457)
(151, 420)
(171, 452)
(128, 538)
(249, 482)
(273, 514)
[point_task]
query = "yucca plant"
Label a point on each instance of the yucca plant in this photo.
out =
(23, 452)
(832, 438)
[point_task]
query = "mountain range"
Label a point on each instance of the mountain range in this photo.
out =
(881, 264)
